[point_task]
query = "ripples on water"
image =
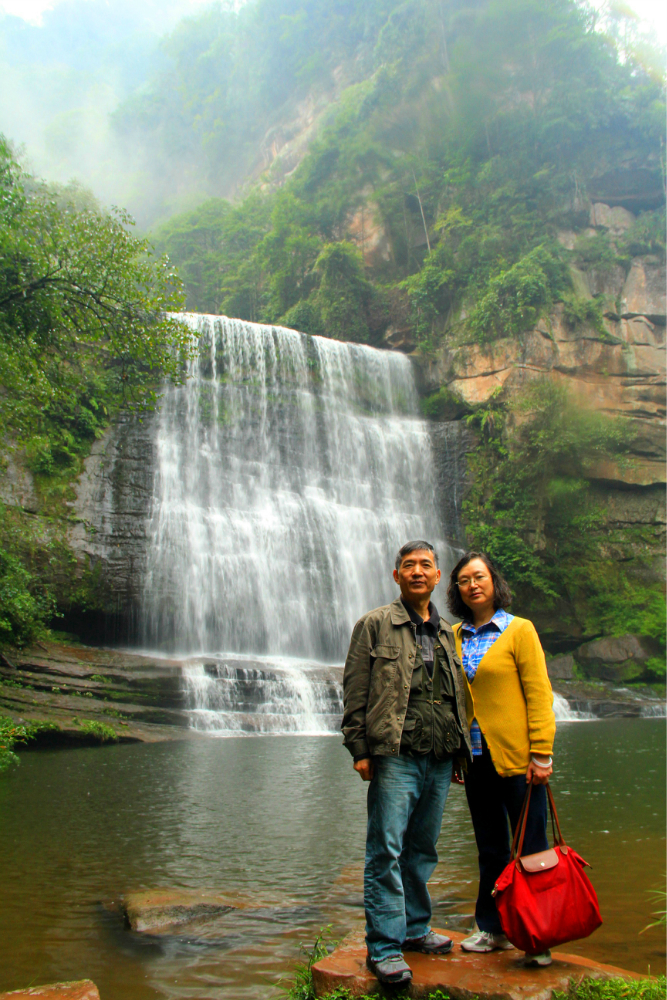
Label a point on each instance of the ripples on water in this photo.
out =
(279, 820)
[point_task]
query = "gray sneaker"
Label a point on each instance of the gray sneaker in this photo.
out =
(393, 970)
(430, 944)
(543, 958)
(485, 941)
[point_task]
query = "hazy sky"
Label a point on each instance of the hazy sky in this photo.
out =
(31, 10)
(653, 11)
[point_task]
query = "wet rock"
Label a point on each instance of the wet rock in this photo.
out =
(82, 990)
(460, 975)
(165, 911)
(561, 667)
(138, 697)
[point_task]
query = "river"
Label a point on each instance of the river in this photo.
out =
(278, 820)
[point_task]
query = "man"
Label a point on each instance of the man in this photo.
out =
(404, 722)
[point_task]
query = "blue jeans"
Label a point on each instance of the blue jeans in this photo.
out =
(406, 799)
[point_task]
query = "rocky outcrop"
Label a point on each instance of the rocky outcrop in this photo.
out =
(500, 975)
(109, 523)
(561, 668)
(620, 372)
(82, 990)
(621, 659)
(89, 695)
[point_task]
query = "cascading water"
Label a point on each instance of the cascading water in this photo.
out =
(289, 470)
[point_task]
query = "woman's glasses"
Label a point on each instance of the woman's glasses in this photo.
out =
(466, 581)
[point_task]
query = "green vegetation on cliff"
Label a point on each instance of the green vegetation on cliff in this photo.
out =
(444, 201)
(83, 334)
(468, 136)
(533, 508)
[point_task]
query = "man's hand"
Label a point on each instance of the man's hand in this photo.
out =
(538, 775)
(364, 768)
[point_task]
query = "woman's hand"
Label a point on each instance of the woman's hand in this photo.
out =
(539, 769)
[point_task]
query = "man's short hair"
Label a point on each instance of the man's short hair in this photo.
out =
(409, 547)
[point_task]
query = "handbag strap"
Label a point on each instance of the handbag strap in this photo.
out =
(560, 840)
(520, 831)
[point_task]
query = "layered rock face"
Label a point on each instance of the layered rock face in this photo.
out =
(620, 371)
(113, 500)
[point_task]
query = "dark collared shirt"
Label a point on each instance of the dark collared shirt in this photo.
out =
(426, 632)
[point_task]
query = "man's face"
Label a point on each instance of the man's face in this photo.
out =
(417, 576)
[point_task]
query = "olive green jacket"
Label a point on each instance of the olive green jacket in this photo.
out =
(377, 676)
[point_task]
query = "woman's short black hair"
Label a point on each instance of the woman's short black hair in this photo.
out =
(502, 593)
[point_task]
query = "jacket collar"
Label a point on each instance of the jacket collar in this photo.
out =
(399, 616)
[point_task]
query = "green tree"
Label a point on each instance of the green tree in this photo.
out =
(84, 332)
(83, 318)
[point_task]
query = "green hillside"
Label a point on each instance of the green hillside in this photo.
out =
(469, 135)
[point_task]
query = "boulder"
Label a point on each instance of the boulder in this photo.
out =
(561, 668)
(616, 219)
(616, 658)
(164, 911)
(82, 990)
(496, 976)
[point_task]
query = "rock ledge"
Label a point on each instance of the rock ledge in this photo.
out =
(461, 975)
(83, 990)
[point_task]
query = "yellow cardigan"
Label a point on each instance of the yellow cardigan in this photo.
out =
(511, 698)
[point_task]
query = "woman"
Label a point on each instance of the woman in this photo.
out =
(512, 725)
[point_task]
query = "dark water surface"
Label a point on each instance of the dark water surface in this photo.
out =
(280, 821)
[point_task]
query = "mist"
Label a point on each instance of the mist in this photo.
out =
(63, 80)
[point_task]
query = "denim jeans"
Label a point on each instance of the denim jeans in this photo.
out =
(406, 799)
(492, 800)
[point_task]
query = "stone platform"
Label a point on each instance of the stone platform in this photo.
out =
(83, 990)
(499, 975)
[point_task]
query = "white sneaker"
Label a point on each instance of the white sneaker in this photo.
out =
(485, 941)
(544, 958)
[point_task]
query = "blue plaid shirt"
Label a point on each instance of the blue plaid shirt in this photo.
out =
(475, 642)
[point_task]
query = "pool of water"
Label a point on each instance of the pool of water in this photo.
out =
(279, 821)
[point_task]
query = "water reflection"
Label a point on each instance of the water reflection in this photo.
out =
(280, 822)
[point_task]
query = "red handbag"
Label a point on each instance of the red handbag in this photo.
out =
(545, 899)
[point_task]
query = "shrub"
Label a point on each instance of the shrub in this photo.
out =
(517, 297)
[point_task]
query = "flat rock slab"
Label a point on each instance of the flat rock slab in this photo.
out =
(83, 990)
(462, 975)
(162, 911)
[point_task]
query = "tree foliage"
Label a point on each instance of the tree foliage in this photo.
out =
(83, 324)
(84, 332)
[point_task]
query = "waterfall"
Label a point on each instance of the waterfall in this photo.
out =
(289, 470)
(564, 713)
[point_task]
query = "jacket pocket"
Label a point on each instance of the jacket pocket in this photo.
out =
(385, 652)
(381, 694)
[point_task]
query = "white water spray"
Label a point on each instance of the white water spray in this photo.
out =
(290, 469)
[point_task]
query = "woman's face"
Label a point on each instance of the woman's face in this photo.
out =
(476, 585)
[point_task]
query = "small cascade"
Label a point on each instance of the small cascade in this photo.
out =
(564, 713)
(655, 711)
(235, 694)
